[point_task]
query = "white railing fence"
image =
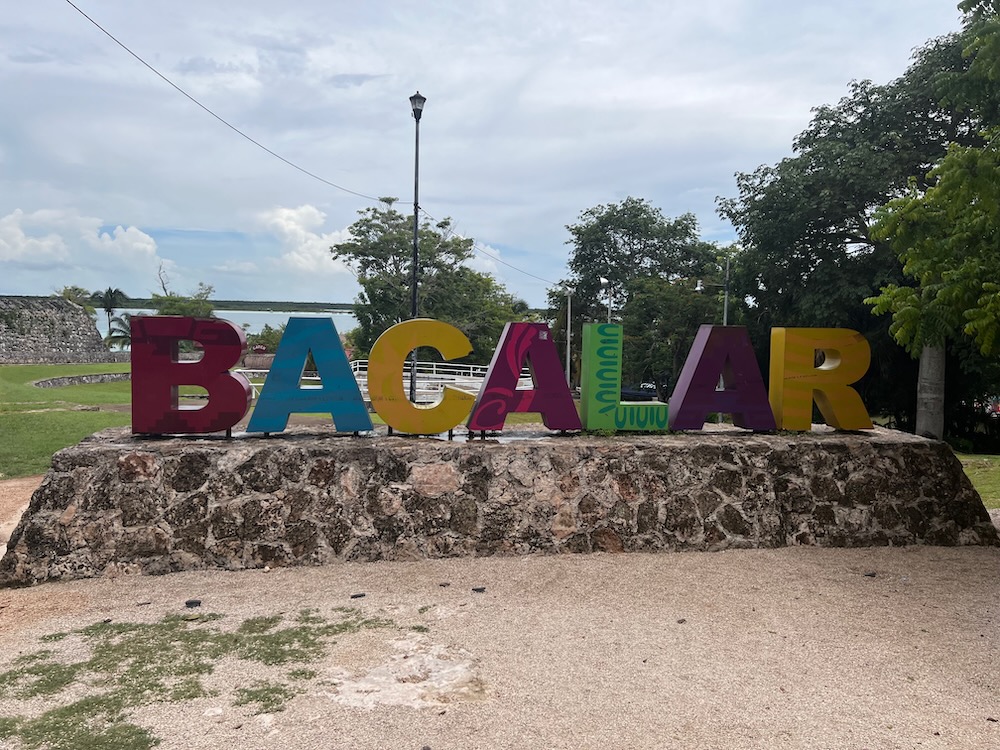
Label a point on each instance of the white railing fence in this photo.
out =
(432, 377)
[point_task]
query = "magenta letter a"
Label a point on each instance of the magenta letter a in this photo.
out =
(499, 395)
(721, 351)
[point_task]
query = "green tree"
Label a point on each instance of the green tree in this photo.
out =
(197, 305)
(119, 332)
(78, 296)
(811, 257)
(379, 251)
(109, 300)
(948, 238)
(660, 321)
(625, 243)
(269, 338)
(945, 230)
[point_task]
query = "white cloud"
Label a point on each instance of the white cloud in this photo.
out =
(65, 239)
(29, 250)
(535, 112)
(305, 247)
(482, 262)
(126, 244)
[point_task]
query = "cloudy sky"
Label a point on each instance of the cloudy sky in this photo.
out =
(535, 111)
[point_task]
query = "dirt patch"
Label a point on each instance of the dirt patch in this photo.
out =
(17, 610)
(14, 497)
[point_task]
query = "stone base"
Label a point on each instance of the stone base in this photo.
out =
(121, 504)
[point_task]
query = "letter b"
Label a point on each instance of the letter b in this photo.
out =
(157, 374)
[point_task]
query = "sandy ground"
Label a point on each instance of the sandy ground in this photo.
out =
(14, 497)
(793, 648)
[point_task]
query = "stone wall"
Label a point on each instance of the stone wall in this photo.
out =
(116, 503)
(107, 377)
(48, 329)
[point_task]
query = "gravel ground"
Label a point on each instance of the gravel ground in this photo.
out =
(791, 648)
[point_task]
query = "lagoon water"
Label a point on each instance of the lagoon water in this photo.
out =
(252, 320)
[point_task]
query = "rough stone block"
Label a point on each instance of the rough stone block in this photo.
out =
(116, 503)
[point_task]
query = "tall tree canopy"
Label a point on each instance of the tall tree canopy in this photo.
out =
(806, 224)
(946, 230)
(119, 332)
(659, 323)
(652, 265)
(78, 296)
(625, 241)
(109, 300)
(196, 305)
(379, 252)
(948, 238)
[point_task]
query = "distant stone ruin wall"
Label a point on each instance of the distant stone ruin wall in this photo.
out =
(36, 330)
(120, 504)
(109, 377)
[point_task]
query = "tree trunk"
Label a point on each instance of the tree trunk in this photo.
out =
(930, 392)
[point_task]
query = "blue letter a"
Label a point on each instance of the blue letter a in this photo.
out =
(337, 395)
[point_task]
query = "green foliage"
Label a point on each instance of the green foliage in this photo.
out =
(660, 322)
(944, 228)
(109, 300)
(78, 296)
(92, 723)
(809, 258)
(197, 305)
(134, 664)
(269, 696)
(625, 241)
(380, 251)
(269, 338)
(639, 251)
(257, 625)
(812, 255)
(982, 24)
(984, 473)
(947, 239)
(42, 676)
(119, 331)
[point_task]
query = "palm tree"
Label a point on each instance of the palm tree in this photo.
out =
(119, 331)
(110, 299)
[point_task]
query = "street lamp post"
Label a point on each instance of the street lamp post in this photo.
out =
(606, 284)
(725, 299)
(569, 333)
(700, 287)
(417, 105)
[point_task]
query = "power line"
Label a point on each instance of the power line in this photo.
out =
(479, 249)
(476, 246)
(221, 119)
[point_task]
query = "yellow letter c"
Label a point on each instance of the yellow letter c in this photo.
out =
(385, 377)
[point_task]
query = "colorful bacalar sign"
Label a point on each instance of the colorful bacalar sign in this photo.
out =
(719, 354)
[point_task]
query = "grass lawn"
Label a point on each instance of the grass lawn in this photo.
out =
(37, 422)
(28, 439)
(984, 471)
(18, 394)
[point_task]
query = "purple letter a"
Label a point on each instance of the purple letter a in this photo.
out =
(721, 351)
